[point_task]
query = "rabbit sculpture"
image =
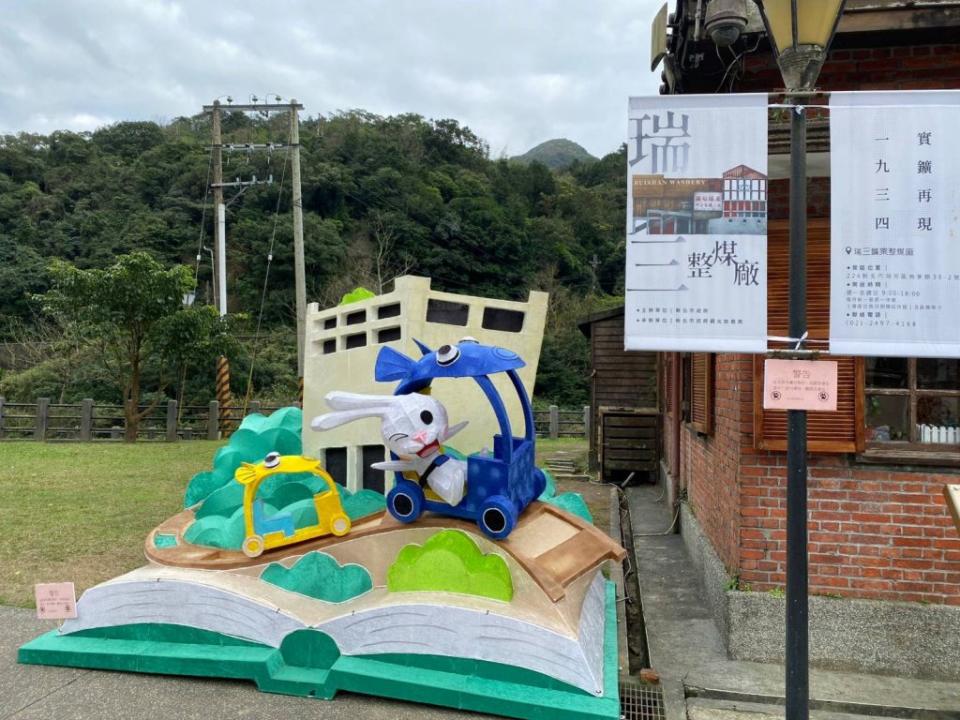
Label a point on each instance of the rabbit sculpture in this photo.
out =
(414, 428)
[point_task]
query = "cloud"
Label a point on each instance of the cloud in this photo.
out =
(517, 73)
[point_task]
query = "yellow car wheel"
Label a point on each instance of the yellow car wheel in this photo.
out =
(253, 546)
(340, 524)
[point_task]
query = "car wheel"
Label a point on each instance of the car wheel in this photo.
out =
(405, 501)
(253, 546)
(497, 517)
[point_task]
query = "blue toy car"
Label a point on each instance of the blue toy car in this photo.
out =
(499, 485)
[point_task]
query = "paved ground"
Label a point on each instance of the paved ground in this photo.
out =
(688, 653)
(30, 692)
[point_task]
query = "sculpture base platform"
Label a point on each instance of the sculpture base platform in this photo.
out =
(308, 664)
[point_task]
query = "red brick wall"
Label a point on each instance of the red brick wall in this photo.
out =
(710, 463)
(875, 532)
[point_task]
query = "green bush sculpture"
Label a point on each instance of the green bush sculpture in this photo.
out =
(321, 577)
(450, 562)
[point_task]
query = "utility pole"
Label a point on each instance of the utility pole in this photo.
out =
(220, 266)
(299, 271)
(594, 264)
(219, 244)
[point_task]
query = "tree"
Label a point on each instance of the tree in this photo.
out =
(193, 338)
(120, 310)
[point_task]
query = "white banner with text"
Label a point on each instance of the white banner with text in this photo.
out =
(895, 223)
(696, 275)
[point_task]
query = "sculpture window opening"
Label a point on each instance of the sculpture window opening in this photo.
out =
(447, 313)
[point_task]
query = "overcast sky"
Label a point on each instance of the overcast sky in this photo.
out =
(516, 71)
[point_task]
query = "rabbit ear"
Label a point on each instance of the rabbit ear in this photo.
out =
(336, 419)
(355, 401)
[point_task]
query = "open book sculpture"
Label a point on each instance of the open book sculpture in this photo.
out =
(436, 610)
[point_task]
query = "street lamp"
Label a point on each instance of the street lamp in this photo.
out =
(800, 32)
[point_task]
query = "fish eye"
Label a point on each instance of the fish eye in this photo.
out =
(427, 417)
(272, 460)
(447, 355)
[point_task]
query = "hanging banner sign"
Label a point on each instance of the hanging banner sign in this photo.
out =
(894, 223)
(696, 276)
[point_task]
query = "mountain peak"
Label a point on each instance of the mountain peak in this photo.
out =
(556, 154)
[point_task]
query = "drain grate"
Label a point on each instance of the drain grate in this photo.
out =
(641, 702)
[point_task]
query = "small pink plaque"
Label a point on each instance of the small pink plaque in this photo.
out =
(800, 385)
(56, 601)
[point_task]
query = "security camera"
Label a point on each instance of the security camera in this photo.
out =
(725, 20)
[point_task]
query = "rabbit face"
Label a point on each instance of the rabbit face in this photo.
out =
(416, 427)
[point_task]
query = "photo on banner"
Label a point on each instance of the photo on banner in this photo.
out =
(894, 223)
(696, 275)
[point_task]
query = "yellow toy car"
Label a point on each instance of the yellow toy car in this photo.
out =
(265, 533)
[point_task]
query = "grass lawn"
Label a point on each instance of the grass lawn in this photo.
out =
(81, 511)
(575, 449)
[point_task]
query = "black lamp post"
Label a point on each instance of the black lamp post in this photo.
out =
(800, 32)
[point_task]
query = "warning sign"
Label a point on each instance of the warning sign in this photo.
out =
(800, 385)
(56, 601)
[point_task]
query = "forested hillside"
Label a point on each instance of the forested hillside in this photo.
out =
(381, 196)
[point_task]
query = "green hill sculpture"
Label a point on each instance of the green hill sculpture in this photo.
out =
(450, 562)
(321, 577)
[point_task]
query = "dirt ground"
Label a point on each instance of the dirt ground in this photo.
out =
(596, 495)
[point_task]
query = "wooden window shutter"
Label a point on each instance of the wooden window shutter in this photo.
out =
(701, 392)
(838, 431)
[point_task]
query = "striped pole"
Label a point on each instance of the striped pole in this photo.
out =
(223, 396)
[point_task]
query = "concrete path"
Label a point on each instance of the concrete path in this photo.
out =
(32, 692)
(688, 652)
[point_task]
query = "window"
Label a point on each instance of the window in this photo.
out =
(503, 320)
(356, 318)
(330, 323)
(329, 346)
(827, 432)
(447, 313)
(355, 341)
(699, 381)
(335, 463)
(372, 479)
(388, 311)
(888, 409)
(912, 404)
(388, 334)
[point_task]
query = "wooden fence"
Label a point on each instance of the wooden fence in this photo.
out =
(86, 421)
(558, 423)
